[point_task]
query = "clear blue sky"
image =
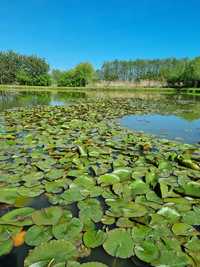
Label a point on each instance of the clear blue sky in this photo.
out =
(67, 32)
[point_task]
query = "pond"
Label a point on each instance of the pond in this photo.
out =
(80, 183)
(176, 116)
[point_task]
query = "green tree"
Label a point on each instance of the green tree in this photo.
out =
(81, 75)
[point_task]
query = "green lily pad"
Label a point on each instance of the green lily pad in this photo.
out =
(182, 229)
(55, 174)
(93, 239)
(93, 264)
(5, 247)
(119, 244)
(59, 250)
(108, 179)
(139, 187)
(170, 214)
(147, 251)
(8, 195)
(90, 209)
(18, 217)
(37, 234)
(47, 216)
(68, 230)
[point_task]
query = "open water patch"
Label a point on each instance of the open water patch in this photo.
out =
(165, 126)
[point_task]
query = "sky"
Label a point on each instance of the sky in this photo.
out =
(67, 32)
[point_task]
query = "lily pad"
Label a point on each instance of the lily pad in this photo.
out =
(18, 217)
(37, 234)
(47, 216)
(93, 239)
(59, 250)
(147, 251)
(119, 244)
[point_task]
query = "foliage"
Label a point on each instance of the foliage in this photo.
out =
(24, 70)
(175, 72)
(80, 76)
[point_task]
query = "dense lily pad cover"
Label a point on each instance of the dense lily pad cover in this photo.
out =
(133, 195)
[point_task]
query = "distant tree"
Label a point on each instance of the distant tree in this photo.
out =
(84, 73)
(195, 71)
(21, 69)
(81, 75)
(35, 69)
(9, 64)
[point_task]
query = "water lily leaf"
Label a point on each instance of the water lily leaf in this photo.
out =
(56, 186)
(192, 217)
(139, 187)
(45, 165)
(108, 220)
(147, 251)
(93, 264)
(119, 244)
(55, 174)
(140, 233)
(68, 230)
(124, 223)
(93, 239)
(18, 217)
(5, 247)
(37, 234)
(72, 194)
(31, 192)
(192, 189)
(123, 173)
(108, 179)
(40, 264)
(47, 216)
(73, 264)
(8, 195)
(151, 178)
(59, 250)
(182, 229)
(90, 209)
(170, 214)
(193, 244)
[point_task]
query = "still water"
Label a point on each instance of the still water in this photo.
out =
(175, 116)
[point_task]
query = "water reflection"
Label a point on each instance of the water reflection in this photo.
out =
(12, 99)
(165, 126)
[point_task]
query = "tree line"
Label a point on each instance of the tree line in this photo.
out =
(33, 70)
(24, 70)
(174, 72)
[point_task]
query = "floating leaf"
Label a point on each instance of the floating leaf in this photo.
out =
(93, 239)
(68, 230)
(90, 209)
(119, 243)
(5, 247)
(59, 250)
(108, 179)
(37, 234)
(147, 251)
(93, 264)
(18, 217)
(8, 195)
(47, 216)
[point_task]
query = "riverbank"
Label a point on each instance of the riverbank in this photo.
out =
(111, 88)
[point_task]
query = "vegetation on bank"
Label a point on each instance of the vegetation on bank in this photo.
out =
(173, 72)
(23, 70)
(20, 69)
